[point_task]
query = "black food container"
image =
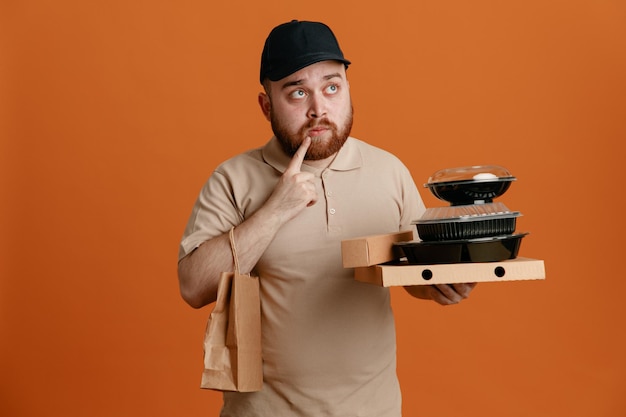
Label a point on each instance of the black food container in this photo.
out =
(473, 228)
(491, 249)
(470, 185)
(466, 222)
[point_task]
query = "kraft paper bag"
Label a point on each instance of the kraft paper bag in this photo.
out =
(232, 342)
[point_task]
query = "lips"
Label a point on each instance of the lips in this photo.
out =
(319, 129)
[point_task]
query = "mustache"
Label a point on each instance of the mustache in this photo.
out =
(320, 123)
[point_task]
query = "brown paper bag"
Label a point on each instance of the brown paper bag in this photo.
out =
(232, 343)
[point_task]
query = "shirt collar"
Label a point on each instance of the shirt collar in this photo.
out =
(348, 158)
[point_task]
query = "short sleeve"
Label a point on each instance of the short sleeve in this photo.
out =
(213, 214)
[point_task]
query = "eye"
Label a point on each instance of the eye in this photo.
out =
(332, 89)
(297, 94)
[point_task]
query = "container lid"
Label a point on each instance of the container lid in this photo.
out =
(470, 212)
(473, 174)
(466, 242)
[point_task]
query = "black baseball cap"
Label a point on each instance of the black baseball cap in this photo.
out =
(297, 44)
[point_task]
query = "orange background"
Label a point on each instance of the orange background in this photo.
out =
(113, 114)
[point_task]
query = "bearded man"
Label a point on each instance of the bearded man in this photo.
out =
(328, 341)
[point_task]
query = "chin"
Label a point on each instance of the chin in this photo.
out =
(322, 149)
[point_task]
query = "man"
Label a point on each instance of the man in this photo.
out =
(328, 340)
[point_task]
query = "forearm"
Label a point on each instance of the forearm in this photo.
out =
(199, 272)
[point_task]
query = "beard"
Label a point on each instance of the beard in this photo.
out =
(318, 149)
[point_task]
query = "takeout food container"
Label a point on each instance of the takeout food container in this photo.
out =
(471, 240)
(489, 249)
(392, 275)
(470, 185)
(466, 222)
(393, 271)
(372, 250)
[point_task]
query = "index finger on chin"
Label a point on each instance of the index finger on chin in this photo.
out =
(296, 162)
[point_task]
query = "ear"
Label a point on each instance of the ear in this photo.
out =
(265, 104)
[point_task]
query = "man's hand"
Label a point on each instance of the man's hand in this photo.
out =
(295, 190)
(444, 294)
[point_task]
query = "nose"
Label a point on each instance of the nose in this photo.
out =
(317, 106)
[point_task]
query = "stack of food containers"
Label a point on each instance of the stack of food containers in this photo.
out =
(473, 228)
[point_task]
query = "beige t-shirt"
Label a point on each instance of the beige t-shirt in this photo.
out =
(328, 340)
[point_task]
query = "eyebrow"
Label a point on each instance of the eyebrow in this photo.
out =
(301, 81)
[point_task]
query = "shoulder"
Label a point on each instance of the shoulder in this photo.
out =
(239, 160)
(244, 177)
(374, 154)
(242, 165)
